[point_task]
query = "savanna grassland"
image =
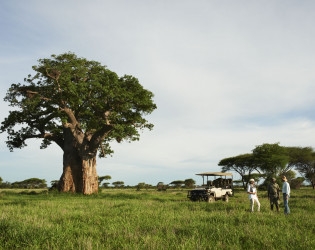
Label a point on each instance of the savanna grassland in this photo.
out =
(129, 219)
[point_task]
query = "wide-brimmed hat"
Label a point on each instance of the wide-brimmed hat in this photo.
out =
(273, 179)
(251, 180)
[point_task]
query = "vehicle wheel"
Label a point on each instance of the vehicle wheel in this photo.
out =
(226, 198)
(211, 198)
(194, 198)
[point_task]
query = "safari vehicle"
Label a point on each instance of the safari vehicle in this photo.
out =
(221, 187)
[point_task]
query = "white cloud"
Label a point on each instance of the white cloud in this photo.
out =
(226, 76)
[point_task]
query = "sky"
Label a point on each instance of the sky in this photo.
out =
(227, 76)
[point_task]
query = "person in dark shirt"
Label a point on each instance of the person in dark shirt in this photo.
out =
(273, 194)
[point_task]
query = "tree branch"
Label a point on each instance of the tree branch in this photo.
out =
(31, 94)
(98, 137)
(55, 74)
(48, 136)
(103, 150)
(71, 116)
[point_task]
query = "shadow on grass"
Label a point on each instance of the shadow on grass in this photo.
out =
(33, 192)
(14, 203)
(123, 196)
(303, 196)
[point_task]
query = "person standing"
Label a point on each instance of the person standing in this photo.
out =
(286, 194)
(253, 197)
(274, 194)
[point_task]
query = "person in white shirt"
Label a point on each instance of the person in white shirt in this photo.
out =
(286, 194)
(252, 191)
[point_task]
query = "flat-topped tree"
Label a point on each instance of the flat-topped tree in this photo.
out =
(243, 164)
(272, 159)
(81, 106)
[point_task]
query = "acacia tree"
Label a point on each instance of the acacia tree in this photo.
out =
(243, 164)
(103, 178)
(303, 159)
(272, 159)
(177, 184)
(118, 184)
(189, 183)
(81, 106)
(30, 183)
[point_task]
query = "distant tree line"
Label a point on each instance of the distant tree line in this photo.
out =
(188, 183)
(103, 183)
(28, 183)
(273, 161)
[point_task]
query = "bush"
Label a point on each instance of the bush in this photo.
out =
(297, 182)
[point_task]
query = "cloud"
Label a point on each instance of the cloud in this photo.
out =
(227, 76)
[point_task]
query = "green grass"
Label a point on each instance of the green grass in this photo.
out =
(128, 219)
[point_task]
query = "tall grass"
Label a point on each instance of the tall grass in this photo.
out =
(127, 219)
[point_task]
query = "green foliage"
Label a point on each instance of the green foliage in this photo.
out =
(271, 159)
(300, 156)
(103, 178)
(30, 183)
(303, 159)
(177, 184)
(71, 92)
(297, 182)
(105, 184)
(54, 183)
(140, 186)
(256, 176)
(118, 184)
(243, 164)
(161, 187)
(143, 185)
(290, 175)
(189, 183)
(5, 185)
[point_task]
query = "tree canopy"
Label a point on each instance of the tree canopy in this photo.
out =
(103, 178)
(30, 183)
(243, 164)
(81, 106)
(303, 159)
(189, 183)
(85, 96)
(273, 160)
(118, 184)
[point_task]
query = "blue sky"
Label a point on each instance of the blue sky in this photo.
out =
(227, 76)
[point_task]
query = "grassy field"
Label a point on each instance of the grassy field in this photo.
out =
(129, 219)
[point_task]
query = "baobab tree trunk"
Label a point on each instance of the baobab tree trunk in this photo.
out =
(79, 169)
(79, 174)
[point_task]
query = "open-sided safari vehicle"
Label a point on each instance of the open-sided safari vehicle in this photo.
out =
(221, 187)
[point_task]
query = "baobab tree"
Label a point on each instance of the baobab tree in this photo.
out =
(81, 106)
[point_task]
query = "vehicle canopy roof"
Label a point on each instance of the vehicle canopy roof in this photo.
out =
(215, 174)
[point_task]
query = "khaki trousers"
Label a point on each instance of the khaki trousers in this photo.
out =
(252, 202)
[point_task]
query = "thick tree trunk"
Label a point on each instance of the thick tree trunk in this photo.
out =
(79, 174)
(244, 184)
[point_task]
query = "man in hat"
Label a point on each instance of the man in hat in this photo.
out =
(252, 191)
(273, 194)
(286, 194)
